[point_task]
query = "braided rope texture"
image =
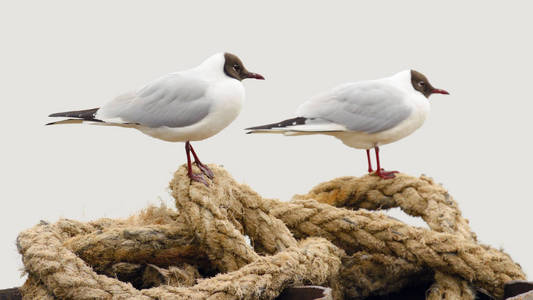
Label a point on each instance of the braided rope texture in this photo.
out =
(227, 242)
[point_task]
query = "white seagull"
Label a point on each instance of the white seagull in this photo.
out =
(365, 114)
(184, 106)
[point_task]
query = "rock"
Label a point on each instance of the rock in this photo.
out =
(308, 292)
(518, 289)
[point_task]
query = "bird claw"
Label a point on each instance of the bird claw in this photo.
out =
(207, 172)
(385, 174)
(198, 178)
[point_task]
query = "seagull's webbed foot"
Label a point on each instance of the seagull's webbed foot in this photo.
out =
(386, 174)
(198, 178)
(205, 169)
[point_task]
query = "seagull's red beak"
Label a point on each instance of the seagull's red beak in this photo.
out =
(255, 76)
(439, 91)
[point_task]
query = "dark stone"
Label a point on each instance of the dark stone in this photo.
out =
(10, 294)
(308, 292)
(483, 295)
(516, 287)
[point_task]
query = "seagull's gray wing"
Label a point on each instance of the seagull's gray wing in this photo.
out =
(175, 100)
(369, 106)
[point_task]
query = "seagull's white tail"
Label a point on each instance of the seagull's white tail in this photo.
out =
(298, 126)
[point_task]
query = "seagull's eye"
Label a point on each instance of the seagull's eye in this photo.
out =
(421, 84)
(237, 68)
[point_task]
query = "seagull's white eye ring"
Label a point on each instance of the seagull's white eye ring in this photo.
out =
(421, 84)
(236, 67)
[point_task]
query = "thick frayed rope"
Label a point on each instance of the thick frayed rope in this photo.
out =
(227, 242)
(416, 197)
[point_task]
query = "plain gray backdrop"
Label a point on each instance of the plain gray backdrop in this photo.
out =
(63, 55)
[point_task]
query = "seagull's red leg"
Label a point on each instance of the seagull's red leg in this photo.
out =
(200, 165)
(192, 176)
(380, 172)
(369, 162)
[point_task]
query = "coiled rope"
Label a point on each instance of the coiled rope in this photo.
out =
(227, 242)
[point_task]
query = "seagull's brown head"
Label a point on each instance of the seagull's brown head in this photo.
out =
(421, 84)
(234, 68)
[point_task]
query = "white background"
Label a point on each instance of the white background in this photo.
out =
(63, 55)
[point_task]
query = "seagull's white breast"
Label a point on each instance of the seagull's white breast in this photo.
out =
(228, 96)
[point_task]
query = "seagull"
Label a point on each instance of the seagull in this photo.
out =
(184, 106)
(365, 114)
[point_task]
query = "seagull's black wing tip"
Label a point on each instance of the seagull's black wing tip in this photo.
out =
(55, 115)
(251, 129)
